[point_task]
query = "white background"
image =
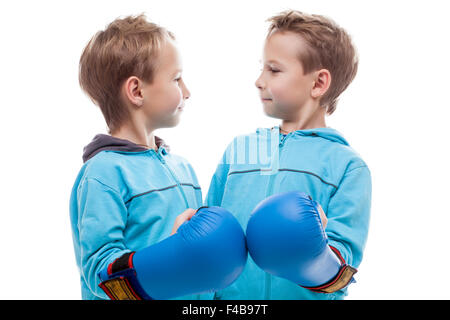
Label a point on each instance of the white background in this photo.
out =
(395, 114)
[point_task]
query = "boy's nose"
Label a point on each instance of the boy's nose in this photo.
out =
(259, 83)
(186, 92)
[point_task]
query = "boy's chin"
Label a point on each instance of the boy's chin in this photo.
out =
(279, 111)
(272, 112)
(172, 122)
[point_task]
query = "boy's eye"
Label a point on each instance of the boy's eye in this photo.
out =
(273, 70)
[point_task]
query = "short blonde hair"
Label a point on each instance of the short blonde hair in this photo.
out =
(329, 47)
(127, 47)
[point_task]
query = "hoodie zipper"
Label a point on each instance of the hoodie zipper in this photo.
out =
(269, 192)
(165, 165)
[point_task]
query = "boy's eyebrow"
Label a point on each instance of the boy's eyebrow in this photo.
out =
(177, 71)
(274, 61)
(271, 61)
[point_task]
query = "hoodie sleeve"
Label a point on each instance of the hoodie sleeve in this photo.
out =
(101, 222)
(349, 214)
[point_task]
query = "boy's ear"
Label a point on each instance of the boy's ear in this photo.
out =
(132, 91)
(322, 81)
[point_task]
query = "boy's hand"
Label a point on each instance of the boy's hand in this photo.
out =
(285, 238)
(182, 218)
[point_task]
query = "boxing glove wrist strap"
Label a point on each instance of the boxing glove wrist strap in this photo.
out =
(122, 282)
(340, 281)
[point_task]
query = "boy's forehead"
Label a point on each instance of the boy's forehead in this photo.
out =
(169, 58)
(282, 46)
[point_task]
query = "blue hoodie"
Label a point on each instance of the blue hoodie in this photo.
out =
(125, 198)
(319, 162)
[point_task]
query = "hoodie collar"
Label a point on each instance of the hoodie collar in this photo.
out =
(103, 142)
(324, 133)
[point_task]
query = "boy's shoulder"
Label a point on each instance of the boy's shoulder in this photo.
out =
(104, 167)
(105, 153)
(329, 141)
(256, 135)
(104, 159)
(110, 166)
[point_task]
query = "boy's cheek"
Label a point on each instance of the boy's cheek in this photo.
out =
(164, 105)
(280, 99)
(279, 92)
(170, 100)
(289, 97)
(179, 98)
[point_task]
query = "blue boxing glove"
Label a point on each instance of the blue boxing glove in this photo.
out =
(207, 253)
(285, 237)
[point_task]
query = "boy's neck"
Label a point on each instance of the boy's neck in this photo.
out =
(309, 117)
(138, 136)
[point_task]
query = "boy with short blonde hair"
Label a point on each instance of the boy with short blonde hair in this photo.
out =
(308, 62)
(131, 189)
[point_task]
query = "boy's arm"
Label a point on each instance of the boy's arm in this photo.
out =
(101, 223)
(349, 214)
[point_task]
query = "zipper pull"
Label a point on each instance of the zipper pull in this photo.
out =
(160, 157)
(283, 138)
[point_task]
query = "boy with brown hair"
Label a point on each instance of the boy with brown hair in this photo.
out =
(131, 194)
(308, 62)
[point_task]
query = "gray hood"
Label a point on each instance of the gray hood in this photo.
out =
(106, 142)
